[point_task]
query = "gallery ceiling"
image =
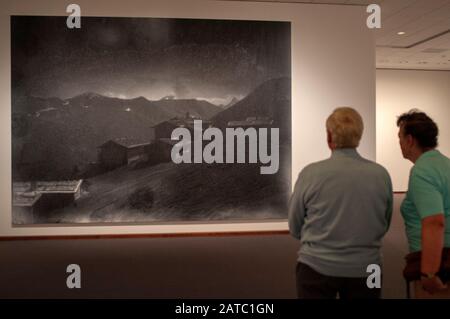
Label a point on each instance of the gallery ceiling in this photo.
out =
(425, 27)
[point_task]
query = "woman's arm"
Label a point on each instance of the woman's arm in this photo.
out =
(432, 244)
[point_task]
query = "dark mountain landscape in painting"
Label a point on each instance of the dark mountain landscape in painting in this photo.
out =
(93, 111)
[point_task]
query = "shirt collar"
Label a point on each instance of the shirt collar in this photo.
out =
(344, 152)
(429, 153)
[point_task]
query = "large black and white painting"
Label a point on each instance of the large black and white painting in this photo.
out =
(94, 109)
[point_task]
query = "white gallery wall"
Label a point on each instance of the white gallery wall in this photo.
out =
(398, 91)
(333, 64)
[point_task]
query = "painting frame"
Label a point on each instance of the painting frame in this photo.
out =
(29, 196)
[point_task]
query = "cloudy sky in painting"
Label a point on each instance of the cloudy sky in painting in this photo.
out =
(130, 57)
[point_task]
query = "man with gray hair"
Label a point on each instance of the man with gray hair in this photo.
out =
(340, 210)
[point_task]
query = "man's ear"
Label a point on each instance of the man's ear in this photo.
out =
(330, 140)
(410, 140)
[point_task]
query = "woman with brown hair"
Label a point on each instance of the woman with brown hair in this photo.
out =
(426, 207)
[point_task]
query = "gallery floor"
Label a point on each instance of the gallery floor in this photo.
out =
(192, 267)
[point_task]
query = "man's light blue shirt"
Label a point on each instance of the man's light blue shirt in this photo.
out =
(340, 210)
(428, 194)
